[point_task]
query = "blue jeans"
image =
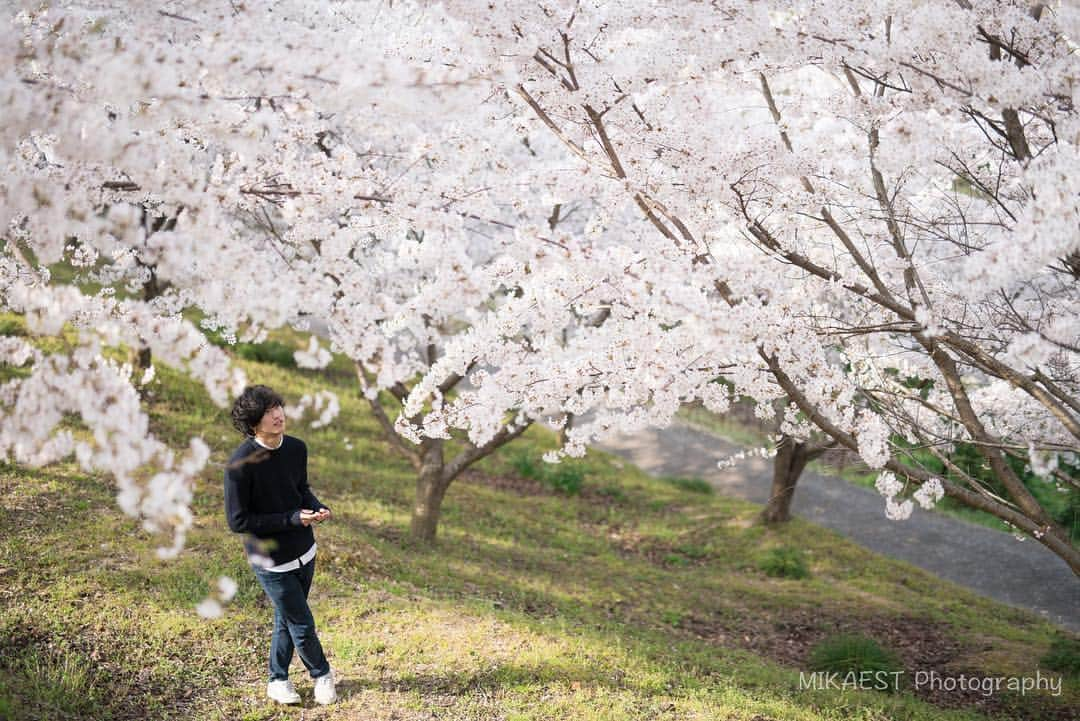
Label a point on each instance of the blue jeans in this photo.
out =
(294, 626)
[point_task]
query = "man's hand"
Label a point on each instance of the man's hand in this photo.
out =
(307, 516)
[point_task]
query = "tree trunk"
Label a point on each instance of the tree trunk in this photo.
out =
(144, 358)
(151, 290)
(791, 459)
(788, 464)
(566, 429)
(430, 488)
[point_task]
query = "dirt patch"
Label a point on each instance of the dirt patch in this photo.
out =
(628, 542)
(921, 645)
(788, 638)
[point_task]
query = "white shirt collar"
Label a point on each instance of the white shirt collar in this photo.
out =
(274, 448)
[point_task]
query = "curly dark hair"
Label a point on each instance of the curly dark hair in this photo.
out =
(250, 407)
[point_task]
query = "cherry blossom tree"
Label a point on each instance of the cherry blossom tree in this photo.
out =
(862, 215)
(435, 239)
(140, 144)
(905, 174)
(270, 164)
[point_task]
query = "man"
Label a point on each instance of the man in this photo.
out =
(267, 497)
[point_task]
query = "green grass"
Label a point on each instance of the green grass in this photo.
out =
(696, 485)
(636, 598)
(784, 563)
(566, 477)
(1064, 656)
(63, 682)
(271, 351)
(856, 654)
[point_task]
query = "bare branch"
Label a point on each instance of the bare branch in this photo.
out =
(174, 16)
(605, 141)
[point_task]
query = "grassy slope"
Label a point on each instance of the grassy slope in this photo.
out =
(640, 602)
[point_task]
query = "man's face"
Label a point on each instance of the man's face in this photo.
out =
(272, 423)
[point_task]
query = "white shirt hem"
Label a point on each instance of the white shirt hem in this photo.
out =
(295, 563)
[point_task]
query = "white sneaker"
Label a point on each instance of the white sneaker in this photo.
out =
(324, 689)
(282, 691)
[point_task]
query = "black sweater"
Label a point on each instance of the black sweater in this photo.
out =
(264, 492)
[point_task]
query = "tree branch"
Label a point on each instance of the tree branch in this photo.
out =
(471, 453)
(767, 92)
(605, 141)
(1016, 488)
(1014, 133)
(399, 443)
(861, 261)
(769, 241)
(542, 114)
(998, 369)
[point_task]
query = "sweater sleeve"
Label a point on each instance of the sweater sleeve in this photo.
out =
(238, 511)
(309, 500)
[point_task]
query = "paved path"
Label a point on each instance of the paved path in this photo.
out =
(990, 562)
